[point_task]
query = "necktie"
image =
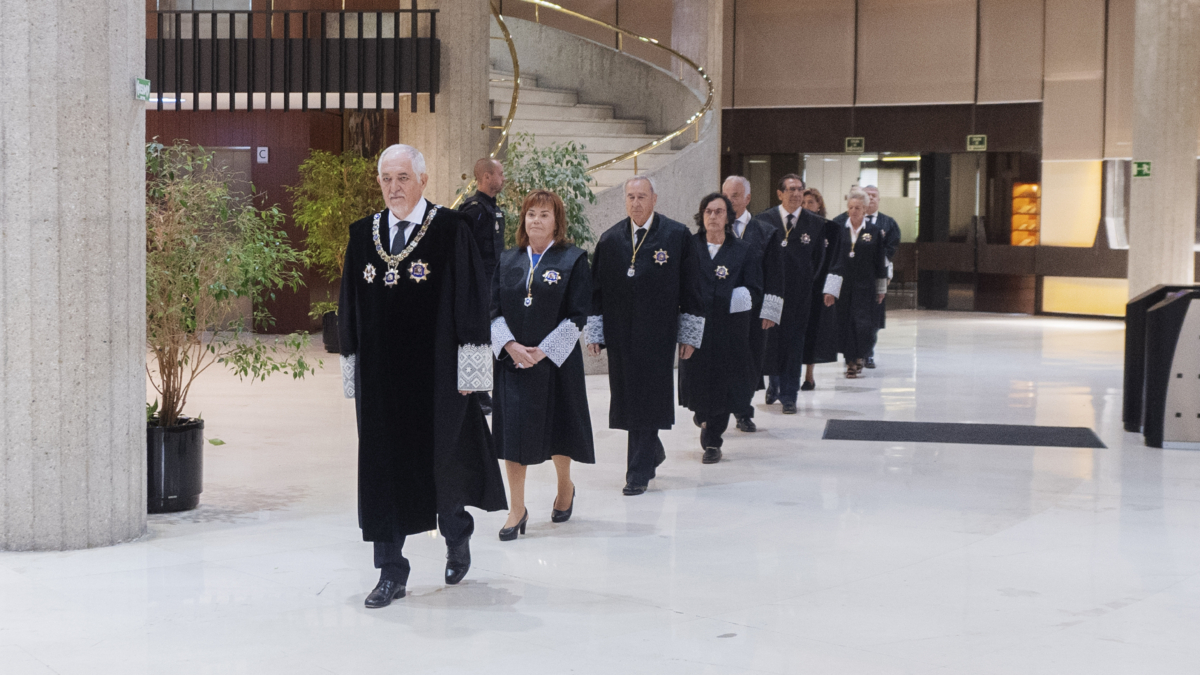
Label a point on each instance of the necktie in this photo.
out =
(637, 236)
(791, 218)
(398, 241)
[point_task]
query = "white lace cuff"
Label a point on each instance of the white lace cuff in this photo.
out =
(474, 368)
(889, 270)
(833, 285)
(501, 335)
(772, 309)
(593, 331)
(691, 330)
(740, 301)
(881, 286)
(348, 363)
(561, 341)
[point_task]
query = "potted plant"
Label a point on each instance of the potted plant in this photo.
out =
(334, 191)
(212, 257)
(561, 168)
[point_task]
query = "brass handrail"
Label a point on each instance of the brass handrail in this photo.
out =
(512, 107)
(694, 119)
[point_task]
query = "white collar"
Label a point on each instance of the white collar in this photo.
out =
(649, 222)
(851, 226)
(413, 216)
(784, 214)
(744, 218)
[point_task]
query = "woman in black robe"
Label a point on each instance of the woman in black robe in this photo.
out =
(541, 294)
(820, 340)
(857, 282)
(715, 382)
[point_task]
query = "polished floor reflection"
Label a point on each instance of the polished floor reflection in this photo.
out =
(793, 555)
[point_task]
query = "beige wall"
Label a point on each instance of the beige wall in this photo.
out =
(1011, 48)
(649, 18)
(1073, 104)
(794, 53)
(1118, 113)
(916, 51)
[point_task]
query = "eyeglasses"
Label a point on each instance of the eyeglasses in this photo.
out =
(714, 212)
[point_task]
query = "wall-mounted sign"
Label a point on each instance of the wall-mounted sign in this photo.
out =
(263, 155)
(856, 144)
(1141, 169)
(141, 89)
(977, 143)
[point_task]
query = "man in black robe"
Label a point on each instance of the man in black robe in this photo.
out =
(891, 244)
(803, 247)
(487, 226)
(413, 325)
(763, 241)
(645, 300)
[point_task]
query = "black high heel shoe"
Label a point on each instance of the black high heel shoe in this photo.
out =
(510, 533)
(557, 516)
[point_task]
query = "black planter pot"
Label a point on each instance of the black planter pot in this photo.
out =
(175, 465)
(330, 325)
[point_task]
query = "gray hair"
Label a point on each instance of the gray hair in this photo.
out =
(640, 176)
(857, 195)
(739, 179)
(414, 155)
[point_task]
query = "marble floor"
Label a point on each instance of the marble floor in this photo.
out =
(794, 555)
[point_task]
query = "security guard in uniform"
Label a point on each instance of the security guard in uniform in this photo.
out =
(487, 224)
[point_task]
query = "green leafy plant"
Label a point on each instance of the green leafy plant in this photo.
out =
(210, 250)
(561, 168)
(334, 191)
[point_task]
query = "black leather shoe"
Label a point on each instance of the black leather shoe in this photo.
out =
(557, 516)
(711, 455)
(746, 424)
(772, 395)
(385, 591)
(808, 385)
(509, 533)
(632, 490)
(870, 362)
(458, 561)
(789, 408)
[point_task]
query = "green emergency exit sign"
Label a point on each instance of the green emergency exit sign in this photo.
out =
(141, 89)
(977, 143)
(1141, 169)
(856, 144)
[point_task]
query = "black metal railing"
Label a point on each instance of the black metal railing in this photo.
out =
(326, 58)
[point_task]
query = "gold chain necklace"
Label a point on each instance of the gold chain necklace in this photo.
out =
(393, 261)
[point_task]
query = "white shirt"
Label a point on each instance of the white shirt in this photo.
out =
(633, 228)
(854, 232)
(712, 249)
(784, 214)
(412, 218)
(740, 223)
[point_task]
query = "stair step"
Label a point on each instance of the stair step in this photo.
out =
(530, 110)
(502, 91)
(577, 128)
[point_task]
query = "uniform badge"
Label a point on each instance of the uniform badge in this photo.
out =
(551, 277)
(804, 238)
(660, 257)
(866, 236)
(369, 273)
(418, 271)
(722, 272)
(391, 277)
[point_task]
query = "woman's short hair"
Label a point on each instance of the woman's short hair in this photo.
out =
(543, 198)
(816, 194)
(857, 195)
(709, 198)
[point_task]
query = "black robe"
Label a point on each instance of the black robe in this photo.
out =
(714, 380)
(487, 227)
(423, 448)
(862, 277)
(543, 410)
(891, 244)
(763, 241)
(821, 338)
(801, 262)
(640, 319)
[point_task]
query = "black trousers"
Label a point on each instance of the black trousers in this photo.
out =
(455, 527)
(714, 427)
(788, 386)
(644, 455)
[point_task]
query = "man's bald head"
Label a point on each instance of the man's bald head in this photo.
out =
(489, 176)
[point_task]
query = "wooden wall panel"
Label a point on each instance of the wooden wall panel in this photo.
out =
(1011, 47)
(794, 53)
(290, 136)
(916, 51)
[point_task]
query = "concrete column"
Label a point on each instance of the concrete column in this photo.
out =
(1166, 82)
(451, 137)
(72, 275)
(697, 31)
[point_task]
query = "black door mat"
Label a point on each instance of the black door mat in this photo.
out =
(953, 432)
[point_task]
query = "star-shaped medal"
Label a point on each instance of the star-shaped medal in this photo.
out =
(369, 273)
(660, 257)
(722, 272)
(551, 277)
(866, 236)
(804, 238)
(418, 271)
